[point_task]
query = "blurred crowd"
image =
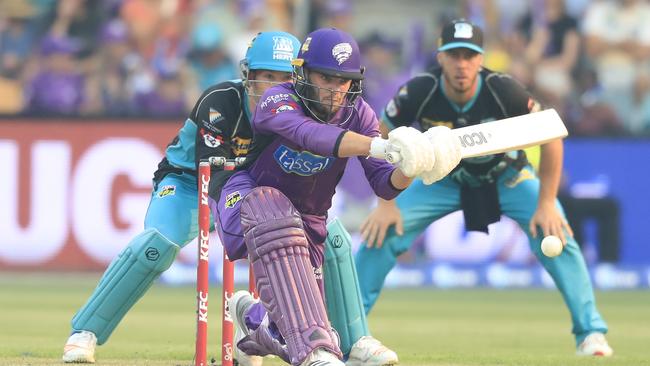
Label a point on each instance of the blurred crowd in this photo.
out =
(590, 59)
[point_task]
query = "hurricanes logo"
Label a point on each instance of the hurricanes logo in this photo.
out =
(342, 52)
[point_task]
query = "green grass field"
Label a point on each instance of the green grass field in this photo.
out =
(424, 326)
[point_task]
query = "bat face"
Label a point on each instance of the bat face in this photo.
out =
(505, 135)
(472, 139)
(510, 134)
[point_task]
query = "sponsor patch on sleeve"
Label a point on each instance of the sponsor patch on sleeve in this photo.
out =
(209, 140)
(274, 99)
(168, 190)
(284, 107)
(232, 199)
(214, 115)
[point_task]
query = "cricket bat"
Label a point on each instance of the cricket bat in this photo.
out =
(505, 135)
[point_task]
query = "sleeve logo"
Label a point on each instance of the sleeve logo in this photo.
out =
(232, 199)
(275, 98)
(284, 108)
(211, 141)
(214, 115)
(168, 190)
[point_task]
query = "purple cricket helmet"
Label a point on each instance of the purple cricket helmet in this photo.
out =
(331, 52)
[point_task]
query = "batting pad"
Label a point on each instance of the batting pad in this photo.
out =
(127, 278)
(342, 292)
(284, 276)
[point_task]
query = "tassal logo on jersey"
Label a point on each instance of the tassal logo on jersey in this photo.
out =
(301, 162)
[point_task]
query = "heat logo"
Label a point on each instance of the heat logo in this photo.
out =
(282, 48)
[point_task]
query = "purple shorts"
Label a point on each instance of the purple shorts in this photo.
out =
(226, 215)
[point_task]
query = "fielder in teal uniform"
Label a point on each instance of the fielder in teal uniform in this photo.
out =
(460, 93)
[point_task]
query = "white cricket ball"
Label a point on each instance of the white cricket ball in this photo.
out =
(552, 246)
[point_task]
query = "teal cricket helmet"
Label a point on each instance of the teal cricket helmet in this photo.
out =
(271, 51)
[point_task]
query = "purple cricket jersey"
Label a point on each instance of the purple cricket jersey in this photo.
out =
(300, 162)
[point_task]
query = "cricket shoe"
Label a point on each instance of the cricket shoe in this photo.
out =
(321, 357)
(238, 304)
(595, 345)
(369, 351)
(80, 348)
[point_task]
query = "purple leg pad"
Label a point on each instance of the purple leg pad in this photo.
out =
(261, 342)
(284, 276)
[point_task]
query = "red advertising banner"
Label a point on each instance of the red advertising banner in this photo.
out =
(73, 193)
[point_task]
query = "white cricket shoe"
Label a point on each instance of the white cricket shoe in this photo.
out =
(595, 345)
(321, 357)
(369, 351)
(80, 348)
(237, 306)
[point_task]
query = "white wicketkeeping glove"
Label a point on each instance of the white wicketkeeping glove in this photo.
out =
(448, 153)
(417, 154)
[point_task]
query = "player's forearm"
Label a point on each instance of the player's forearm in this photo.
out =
(353, 144)
(550, 171)
(383, 129)
(399, 180)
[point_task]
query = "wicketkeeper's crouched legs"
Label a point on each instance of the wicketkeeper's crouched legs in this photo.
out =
(343, 298)
(284, 276)
(125, 281)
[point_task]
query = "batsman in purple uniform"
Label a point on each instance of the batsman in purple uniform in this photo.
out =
(274, 212)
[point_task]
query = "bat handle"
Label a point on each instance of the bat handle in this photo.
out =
(393, 157)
